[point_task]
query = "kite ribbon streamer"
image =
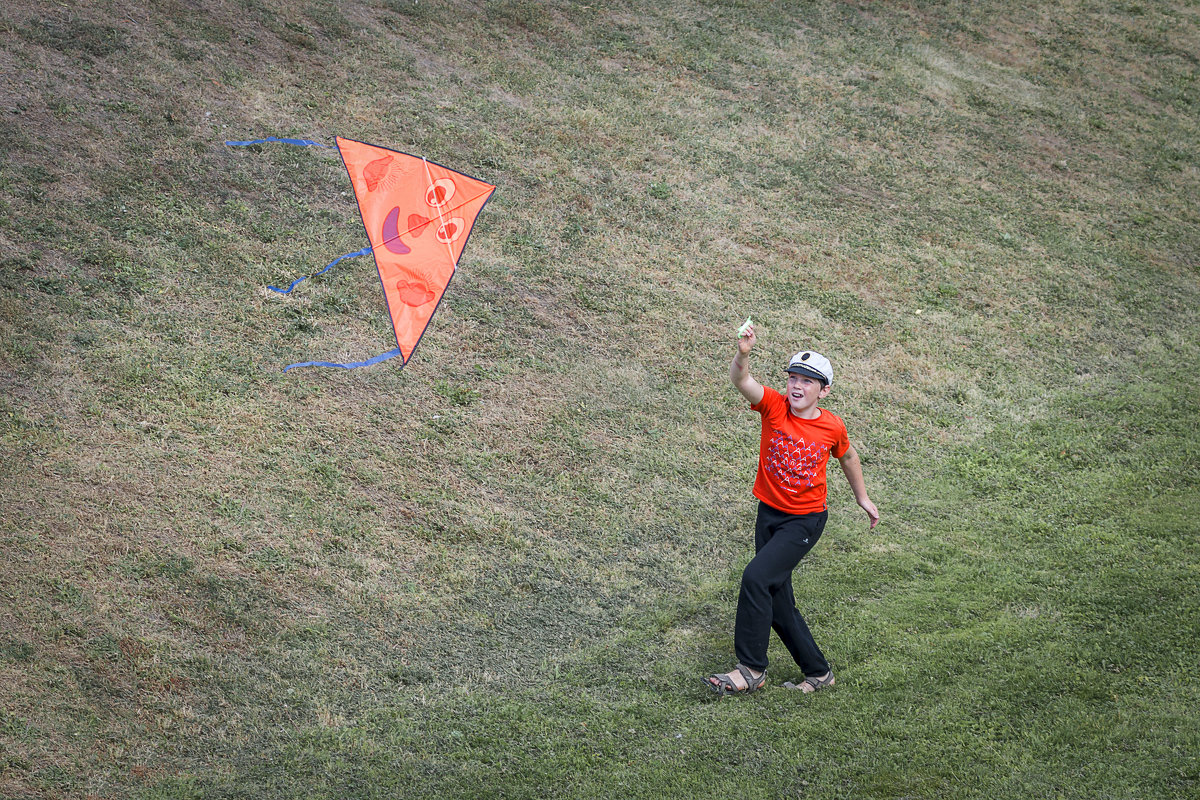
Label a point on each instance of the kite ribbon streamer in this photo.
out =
(381, 357)
(328, 267)
(301, 142)
(331, 264)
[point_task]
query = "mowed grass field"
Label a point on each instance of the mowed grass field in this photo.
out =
(503, 570)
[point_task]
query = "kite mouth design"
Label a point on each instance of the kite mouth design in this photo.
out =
(391, 235)
(413, 294)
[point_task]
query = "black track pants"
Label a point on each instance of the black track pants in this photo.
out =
(766, 600)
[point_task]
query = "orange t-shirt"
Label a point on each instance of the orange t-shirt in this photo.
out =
(792, 454)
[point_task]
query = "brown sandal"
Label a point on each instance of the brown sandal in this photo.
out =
(815, 683)
(724, 684)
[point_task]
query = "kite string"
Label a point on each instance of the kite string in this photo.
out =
(441, 219)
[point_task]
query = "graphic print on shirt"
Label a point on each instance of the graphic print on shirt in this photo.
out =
(792, 463)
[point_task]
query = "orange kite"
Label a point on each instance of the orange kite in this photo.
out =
(418, 216)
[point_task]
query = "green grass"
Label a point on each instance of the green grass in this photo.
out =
(502, 571)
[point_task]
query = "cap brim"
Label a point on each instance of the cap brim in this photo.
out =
(800, 369)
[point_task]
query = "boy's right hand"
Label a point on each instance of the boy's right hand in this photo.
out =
(739, 371)
(746, 341)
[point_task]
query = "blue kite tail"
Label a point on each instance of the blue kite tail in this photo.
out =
(301, 142)
(328, 267)
(367, 363)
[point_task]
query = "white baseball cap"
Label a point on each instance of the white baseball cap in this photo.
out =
(812, 364)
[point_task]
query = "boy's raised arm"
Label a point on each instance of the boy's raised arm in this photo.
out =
(739, 370)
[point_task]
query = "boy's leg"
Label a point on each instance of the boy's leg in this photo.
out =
(781, 541)
(786, 620)
(793, 632)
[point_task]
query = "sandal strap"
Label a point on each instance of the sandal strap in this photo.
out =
(752, 682)
(726, 683)
(819, 683)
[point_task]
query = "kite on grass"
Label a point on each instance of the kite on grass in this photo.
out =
(418, 216)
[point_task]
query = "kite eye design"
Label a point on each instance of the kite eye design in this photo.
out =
(440, 192)
(450, 230)
(413, 294)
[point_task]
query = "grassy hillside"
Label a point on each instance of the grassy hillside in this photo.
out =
(502, 570)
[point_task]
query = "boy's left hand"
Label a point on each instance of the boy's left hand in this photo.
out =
(872, 511)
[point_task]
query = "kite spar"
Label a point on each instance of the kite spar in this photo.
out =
(418, 216)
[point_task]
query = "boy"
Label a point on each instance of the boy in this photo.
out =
(797, 438)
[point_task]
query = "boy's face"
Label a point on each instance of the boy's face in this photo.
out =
(803, 392)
